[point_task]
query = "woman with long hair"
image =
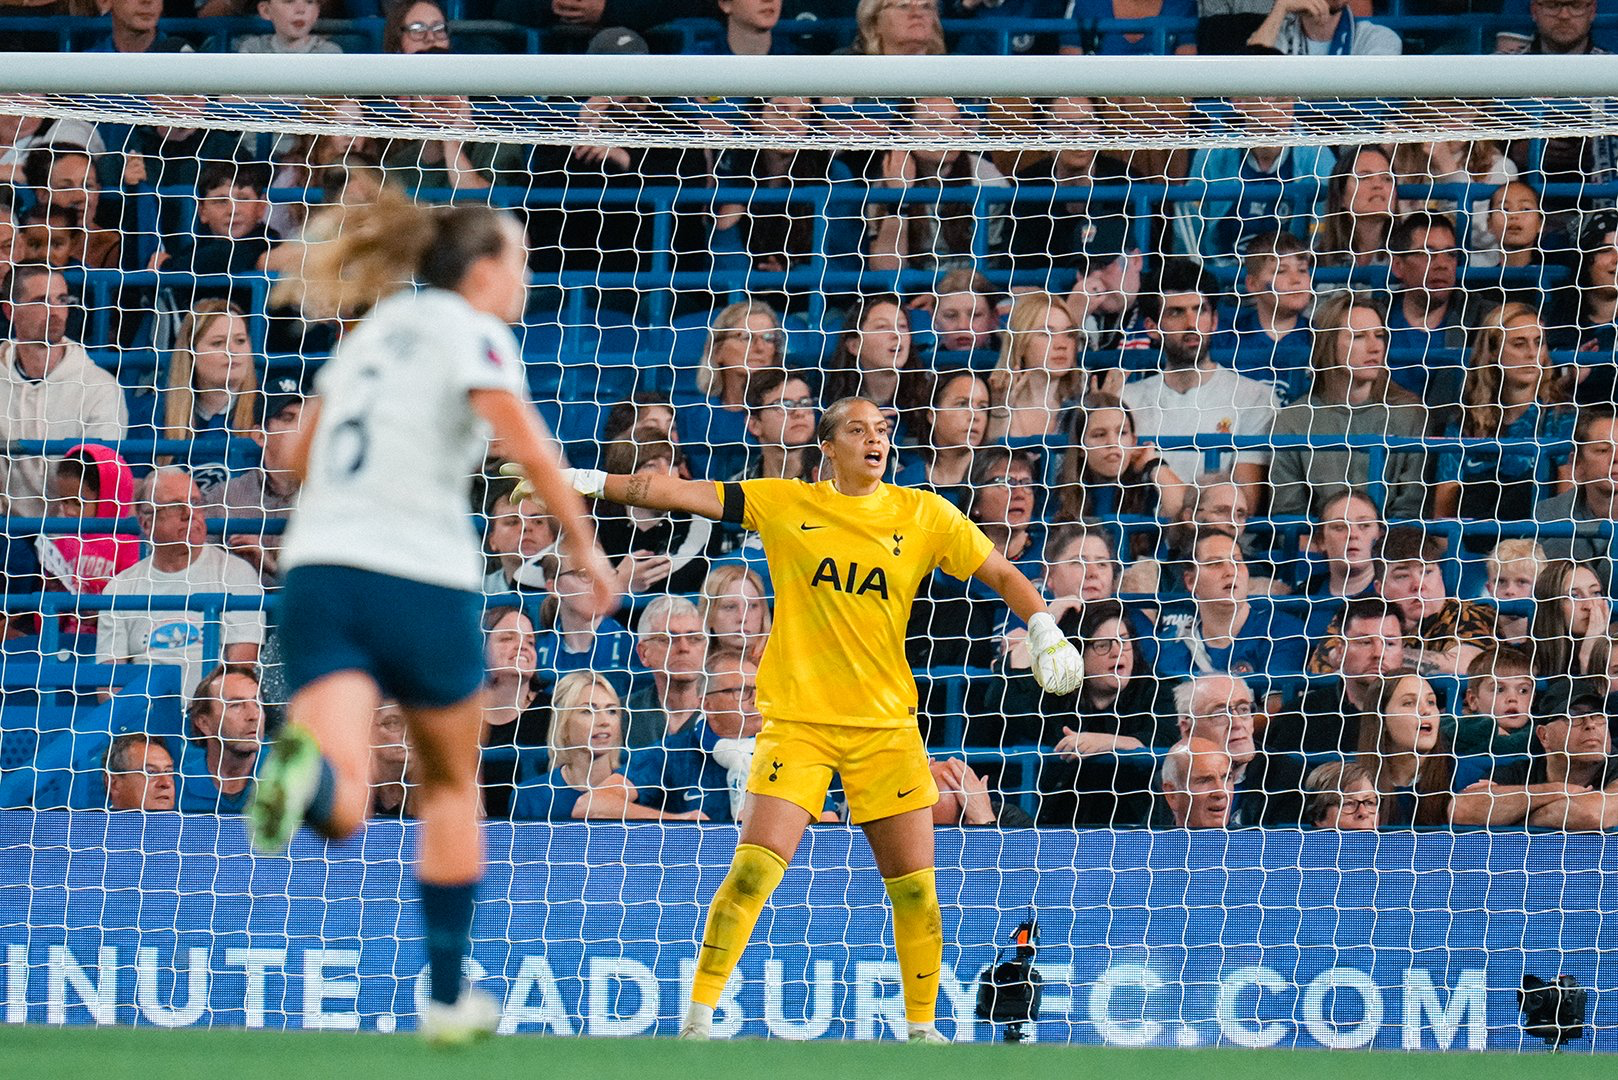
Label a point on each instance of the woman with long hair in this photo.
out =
(1403, 746)
(876, 358)
(384, 569)
(212, 378)
(1572, 621)
(1360, 201)
(1108, 470)
(1039, 373)
(586, 778)
(949, 432)
(1352, 394)
(735, 610)
(1512, 390)
(898, 28)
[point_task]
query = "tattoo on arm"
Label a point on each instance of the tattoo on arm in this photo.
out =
(636, 491)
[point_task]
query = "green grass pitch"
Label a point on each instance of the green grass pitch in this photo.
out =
(113, 1053)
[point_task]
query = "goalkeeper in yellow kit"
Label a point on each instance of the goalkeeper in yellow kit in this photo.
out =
(846, 558)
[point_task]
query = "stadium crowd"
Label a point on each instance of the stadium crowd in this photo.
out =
(1317, 464)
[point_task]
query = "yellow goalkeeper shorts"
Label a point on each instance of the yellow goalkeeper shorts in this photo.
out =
(884, 770)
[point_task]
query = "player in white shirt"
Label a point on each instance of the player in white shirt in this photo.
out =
(383, 565)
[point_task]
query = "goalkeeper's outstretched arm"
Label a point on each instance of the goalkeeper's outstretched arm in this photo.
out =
(650, 491)
(1056, 663)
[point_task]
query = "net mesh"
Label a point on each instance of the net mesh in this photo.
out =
(1299, 414)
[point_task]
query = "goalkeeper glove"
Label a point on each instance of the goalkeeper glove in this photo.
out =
(591, 483)
(735, 756)
(1057, 666)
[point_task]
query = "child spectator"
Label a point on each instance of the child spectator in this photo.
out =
(90, 481)
(64, 178)
(586, 778)
(1352, 394)
(1038, 374)
(749, 31)
(1107, 471)
(1403, 747)
(1510, 572)
(1511, 392)
(294, 22)
(655, 552)
(1499, 701)
(134, 29)
(964, 315)
(1360, 208)
(232, 234)
(1269, 337)
(1341, 795)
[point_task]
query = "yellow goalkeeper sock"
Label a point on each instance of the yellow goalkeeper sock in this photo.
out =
(918, 934)
(754, 874)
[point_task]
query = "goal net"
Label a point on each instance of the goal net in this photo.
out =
(1290, 385)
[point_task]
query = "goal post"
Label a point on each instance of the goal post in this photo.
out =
(1118, 311)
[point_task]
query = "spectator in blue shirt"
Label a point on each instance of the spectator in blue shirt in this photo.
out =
(1323, 28)
(574, 639)
(1089, 40)
(134, 29)
(749, 31)
(586, 778)
(736, 614)
(1281, 186)
(227, 733)
(1346, 540)
(1512, 391)
(1425, 315)
(1269, 338)
(1222, 630)
(1402, 743)
(139, 774)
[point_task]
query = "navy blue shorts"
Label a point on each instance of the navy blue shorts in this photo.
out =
(423, 644)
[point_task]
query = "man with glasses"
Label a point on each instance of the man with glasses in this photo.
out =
(1569, 780)
(1561, 28)
(139, 774)
(781, 416)
(49, 387)
(182, 563)
(682, 773)
(1265, 789)
(672, 646)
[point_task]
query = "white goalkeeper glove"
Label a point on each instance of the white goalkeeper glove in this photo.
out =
(1057, 664)
(590, 483)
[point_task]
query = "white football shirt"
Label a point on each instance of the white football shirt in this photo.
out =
(397, 445)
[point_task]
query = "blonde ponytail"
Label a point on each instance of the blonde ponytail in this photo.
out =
(374, 251)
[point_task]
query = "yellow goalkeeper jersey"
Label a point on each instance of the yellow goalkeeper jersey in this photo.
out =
(845, 571)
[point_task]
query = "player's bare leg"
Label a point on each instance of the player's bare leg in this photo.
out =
(318, 771)
(903, 848)
(449, 863)
(770, 834)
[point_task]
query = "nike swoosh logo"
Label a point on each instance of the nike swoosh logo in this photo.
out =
(693, 796)
(902, 794)
(930, 974)
(810, 528)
